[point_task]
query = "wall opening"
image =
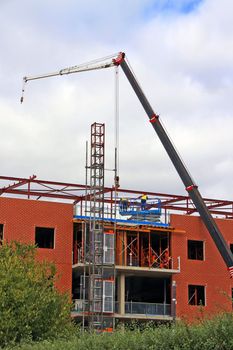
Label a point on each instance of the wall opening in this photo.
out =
(195, 250)
(1, 232)
(147, 289)
(231, 247)
(196, 295)
(78, 253)
(144, 249)
(44, 237)
(147, 296)
(232, 297)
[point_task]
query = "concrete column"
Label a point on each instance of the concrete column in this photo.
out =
(121, 294)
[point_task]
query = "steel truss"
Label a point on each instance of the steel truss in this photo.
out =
(34, 188)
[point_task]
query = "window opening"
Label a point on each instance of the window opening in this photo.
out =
(1, 233)
(231, 247)
(195, 250)
(44, 237)
(232, 297)
(196, 295)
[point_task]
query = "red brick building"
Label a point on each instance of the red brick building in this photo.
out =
(164, 268)
(207, 271)
(47, 224)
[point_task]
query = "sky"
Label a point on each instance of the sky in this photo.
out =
(182, 54)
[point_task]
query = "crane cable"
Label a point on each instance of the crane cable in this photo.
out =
(23, 90)
(116, 138)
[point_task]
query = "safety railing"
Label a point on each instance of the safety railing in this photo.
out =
(78, 305)
(149, 309)
(132, 308)
(156, 263)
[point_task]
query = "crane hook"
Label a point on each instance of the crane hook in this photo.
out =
(23, 89)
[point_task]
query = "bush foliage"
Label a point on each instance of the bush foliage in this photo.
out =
(216, 334)
(34, 316)
(31, 308)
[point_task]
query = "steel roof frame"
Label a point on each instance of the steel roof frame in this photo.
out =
(33, 188)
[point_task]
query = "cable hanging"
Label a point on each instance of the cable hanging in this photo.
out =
(116, 136)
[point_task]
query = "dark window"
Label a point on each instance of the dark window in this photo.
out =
(1, 233)
(231, 247)
(196, 295)
(195, 250)
(44, 237)
(232, 297)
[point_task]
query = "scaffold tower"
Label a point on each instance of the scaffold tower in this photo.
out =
(95, 290)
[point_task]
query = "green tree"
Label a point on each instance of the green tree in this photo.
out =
(31, 308)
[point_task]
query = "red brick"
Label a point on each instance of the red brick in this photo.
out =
(21, 216)
(212, 272)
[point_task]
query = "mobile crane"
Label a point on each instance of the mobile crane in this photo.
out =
(154, 119)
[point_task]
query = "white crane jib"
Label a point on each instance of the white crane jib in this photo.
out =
(105, 62)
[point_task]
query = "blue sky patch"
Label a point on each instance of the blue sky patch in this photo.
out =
(171, 7)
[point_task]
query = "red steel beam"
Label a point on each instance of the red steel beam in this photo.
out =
(67, 191)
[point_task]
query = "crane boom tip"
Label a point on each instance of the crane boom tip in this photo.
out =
(120, 58)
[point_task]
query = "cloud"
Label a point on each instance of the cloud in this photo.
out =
(181, 52)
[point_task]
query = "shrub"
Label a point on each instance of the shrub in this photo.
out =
(216, 334)
(30, 305)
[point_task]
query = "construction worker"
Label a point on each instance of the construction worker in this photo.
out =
(165, 259)
(124, 204)
(143, 201)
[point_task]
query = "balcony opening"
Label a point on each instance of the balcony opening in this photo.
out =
(195, 250)
(196, 295)
(147, 295)
(44, 237)
(147, 289)
(144, 249)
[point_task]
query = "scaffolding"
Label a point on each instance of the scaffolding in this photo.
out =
(98, 281)
(96, 230)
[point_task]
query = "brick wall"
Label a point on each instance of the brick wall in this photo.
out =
(211, 273)
(21, 216)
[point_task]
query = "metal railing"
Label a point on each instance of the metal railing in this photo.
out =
(173, 263)
(152, 309)
(131, 307)
(78, 305)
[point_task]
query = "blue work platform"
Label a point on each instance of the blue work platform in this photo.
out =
(127, 222)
